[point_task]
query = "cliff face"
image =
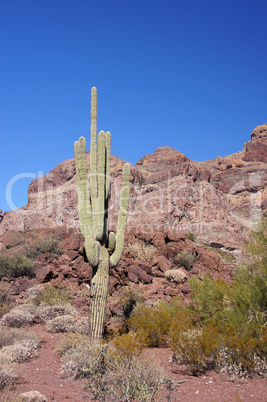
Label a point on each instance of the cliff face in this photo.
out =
(218, 200)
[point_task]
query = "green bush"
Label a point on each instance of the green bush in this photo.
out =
(152, 323)
(191, 236)
(52, 295)
(46, 245)
(185, 259)
(193, 345)
(238, 311)
(211, 298)
(5, 298)
(16, 265)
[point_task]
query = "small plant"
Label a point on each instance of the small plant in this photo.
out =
(125, 346)
(71, 341)
(47, 245)
(63, 323)
(185, 259)
(15, 265)
(140, 251)
(191, 236)
(52, 295)
(152, 324)
(192, 345)
(5, 298)
(7, 373)
(19, 316)
(21, 351)
(130, 298)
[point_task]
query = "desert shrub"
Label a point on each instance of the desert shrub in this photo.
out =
(7, 372)
(85, 360)
(152, 323)
(239, 311)
(15, 265)
(71, 341)
(140, 251)
(125, 346)
(176, 275)
(46, 245)
(185, 259)
(134, 380)
(21, 350)
(130, 297)
(63, 323)
(5, 298)
(17, 345)
(26, 314)
(10, 336)
(52, 295)
(191, 236)
(192, 345)
(211, 298)
(47, 312)
(119, 378)
(19, 316)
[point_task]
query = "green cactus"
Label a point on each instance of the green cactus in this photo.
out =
(103, 249)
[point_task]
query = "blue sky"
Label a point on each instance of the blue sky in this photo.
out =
(187, 74)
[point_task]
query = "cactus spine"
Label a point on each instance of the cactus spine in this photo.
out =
(103, 249)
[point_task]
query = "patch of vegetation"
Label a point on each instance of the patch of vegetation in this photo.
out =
(151, 324)
(17, 345)
(63, 323)
(7, 373)
(130, 298)
(16, 265)
(185, 259)
(112, 374)
(71, 341)
(140, 251)
(191, 236)
(52, 295)
(49, 245)
(5, 298)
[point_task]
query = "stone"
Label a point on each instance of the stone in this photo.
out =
(32, 396)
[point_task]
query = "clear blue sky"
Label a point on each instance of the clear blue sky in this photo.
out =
(188, 74)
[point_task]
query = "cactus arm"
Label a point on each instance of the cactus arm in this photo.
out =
(107, 184)
(84, 203)
(101, 178)
(122, 218)
(93, 162)
(111, 241)
(108, 146)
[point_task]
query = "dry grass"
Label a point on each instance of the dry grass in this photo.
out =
(140, 251)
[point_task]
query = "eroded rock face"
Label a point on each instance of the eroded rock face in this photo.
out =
(256, 149)
(218, 200)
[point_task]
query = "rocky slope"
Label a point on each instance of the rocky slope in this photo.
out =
(218, 200)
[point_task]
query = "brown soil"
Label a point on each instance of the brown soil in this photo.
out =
(43, 374)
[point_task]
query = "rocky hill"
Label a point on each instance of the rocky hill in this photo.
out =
(218, 200)
(202, 209)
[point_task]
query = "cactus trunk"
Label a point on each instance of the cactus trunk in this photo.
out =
(103, 249)
(99, 293)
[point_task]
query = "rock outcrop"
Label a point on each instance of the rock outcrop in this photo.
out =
(218, 200)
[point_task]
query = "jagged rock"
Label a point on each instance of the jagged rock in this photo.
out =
(136, 274)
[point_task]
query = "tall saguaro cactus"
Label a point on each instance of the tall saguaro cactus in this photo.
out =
(103, 249)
